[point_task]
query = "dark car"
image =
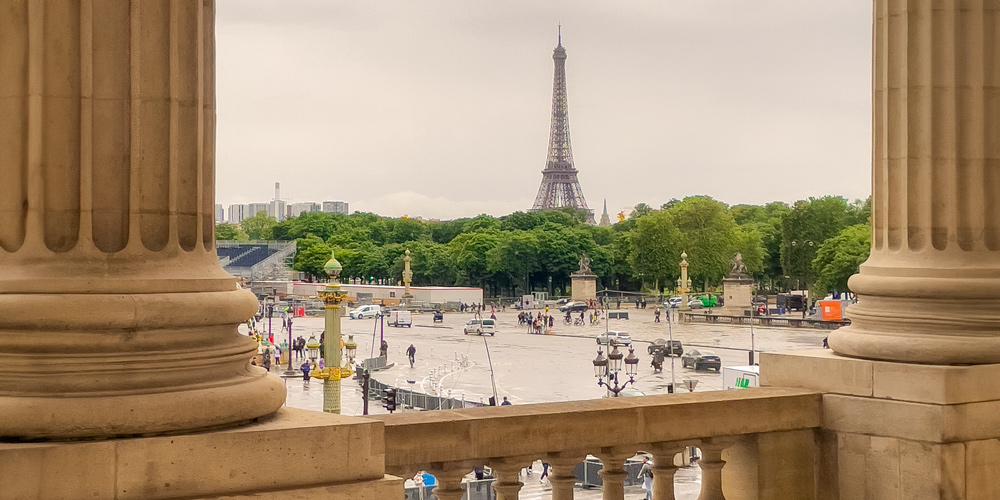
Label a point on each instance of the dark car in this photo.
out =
(669, 347)
(701, 359)
(573, 307)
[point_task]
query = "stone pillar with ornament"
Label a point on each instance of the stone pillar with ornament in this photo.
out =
(737, 289)
(407, 277)
(583, 282)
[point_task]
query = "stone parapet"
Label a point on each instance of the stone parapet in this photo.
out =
(336, 455)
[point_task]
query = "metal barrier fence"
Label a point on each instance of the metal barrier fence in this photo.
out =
(474, 490)
(413, 399)
(763, 321)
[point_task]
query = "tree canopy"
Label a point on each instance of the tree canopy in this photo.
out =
(818, 240)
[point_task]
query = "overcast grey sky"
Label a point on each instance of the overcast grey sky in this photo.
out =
(441, 109)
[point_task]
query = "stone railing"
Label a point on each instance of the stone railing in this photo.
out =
(766, 438)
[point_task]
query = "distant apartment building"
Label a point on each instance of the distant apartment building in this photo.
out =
(277, 209)
(237, 213)
(336, 207)
(297, 209)
(256, 208)
(220, 213)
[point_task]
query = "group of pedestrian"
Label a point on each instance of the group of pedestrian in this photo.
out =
(536, 322)
(640, 303)
(472, 307)
(298, 347)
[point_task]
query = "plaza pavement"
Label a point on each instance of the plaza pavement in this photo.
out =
(532, 368)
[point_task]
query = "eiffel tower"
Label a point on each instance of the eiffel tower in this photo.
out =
(560, 186)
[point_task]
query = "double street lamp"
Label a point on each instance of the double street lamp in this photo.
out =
(609, 367)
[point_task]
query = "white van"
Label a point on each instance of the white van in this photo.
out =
(368, 311)
(400, 318)
(481, 327)
(740, 377)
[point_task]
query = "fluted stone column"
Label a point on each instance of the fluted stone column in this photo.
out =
(117, 319)
(930, 291)
(562, 465)
(613, 472)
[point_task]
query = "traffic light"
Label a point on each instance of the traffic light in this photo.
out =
(390, 399)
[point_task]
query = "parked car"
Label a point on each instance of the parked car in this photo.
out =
(573, 307)
(696, 304)
(669, 347)
(368, 311)
(673, 302)
(618, 338)
(699, 359)
(481, 327)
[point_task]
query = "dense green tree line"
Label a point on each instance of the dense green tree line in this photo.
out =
(817, 243)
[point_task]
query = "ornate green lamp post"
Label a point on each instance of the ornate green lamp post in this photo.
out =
(332, 297)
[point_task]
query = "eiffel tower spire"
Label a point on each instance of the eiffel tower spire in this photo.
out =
(560, 186)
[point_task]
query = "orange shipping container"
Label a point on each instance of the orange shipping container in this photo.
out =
(830, 310)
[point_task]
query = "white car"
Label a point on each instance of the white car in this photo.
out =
(673, 302)
(481, 327)
(616, 337)
(368, 311)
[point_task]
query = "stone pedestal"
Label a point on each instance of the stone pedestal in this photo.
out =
(584, 286)
(117, 319)
(312, 448)
(738, 292)
(899, 430)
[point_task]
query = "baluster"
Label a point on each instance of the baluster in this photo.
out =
(561, 473)
(508, 471)
(711, 467)
(664, 468)
(449, 478)
(613, 471)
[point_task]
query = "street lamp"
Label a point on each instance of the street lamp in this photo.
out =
(332, 297)
(609, 367)
(350, 347)
(312, 346)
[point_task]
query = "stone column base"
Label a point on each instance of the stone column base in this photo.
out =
(320, 456)
(898, 430)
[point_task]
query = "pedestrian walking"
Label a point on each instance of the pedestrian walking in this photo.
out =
(277, 355)
(267, 360)
(411, 353)
(646, 475)
(666, 311)
(383, 350)
(656, 318)
(305, 372)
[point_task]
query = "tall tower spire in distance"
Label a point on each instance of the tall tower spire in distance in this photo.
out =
(560, 186)
(605, 220)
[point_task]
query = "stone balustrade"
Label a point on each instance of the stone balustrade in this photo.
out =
(756, 443)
